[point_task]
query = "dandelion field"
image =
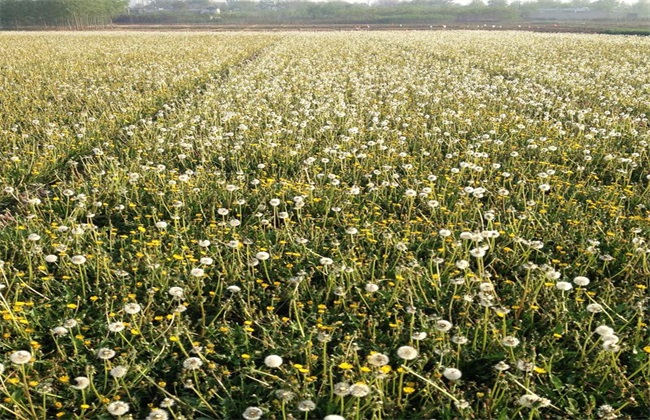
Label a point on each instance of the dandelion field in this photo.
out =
(324, 225)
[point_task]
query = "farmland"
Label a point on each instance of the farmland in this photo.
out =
(299, 225)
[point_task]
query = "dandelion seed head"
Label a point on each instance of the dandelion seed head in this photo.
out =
(132, 308)
(342, 389)
(20, 357)
(407, 352)
(81, 382)
(192, 363)
(118, 371)
(604, 330)
(273, 361)
(157, 414)
(359, 390)
(581, 281)
(118, 408)
(378, 359)
(452, 374)
(252, 413)
(306, 405)
(105, 353)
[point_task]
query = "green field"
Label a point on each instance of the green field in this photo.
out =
(378, 225)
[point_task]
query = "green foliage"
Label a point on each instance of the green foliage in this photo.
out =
(66, 13)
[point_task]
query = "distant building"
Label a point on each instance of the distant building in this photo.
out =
(139, 3)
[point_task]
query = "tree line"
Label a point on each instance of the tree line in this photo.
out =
(73, 14)
(383, 11)
(84, 13)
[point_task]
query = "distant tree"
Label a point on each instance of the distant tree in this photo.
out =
(497, 3)
(641, 8)
(579, 3)
(68, 13)
(605, 5)
(435, 3)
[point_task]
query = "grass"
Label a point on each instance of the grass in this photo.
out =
(372, 225)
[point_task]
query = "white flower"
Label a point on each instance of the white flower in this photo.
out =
(326, 261)
(528, 400)
(486, 287)
(233, 289)
(419, 336)
(105, 353)
(525, 366)
(207, 261)
(478, 252)
(20, 357)
(371, 287)
(359, 390)
(604, 330)
(132, 308)
(611, 346)
(333, 417)
(51, 258)
(452, 374)
(462, 264)
(116, 326)
(59, 331)
(273, 361)
(444, 233)
(157, 414)
(443, 325)
(192, 363)
(176, 292)
(274, 202)
(78, 259)
(563, 286)
(510, 341)
(284, 395)
(118, 371)
(161, 225)
(594, 308)
(306, 405)
(378, 359)
(581, 281)
(607, 412)
(351, 230)
(197, 272)
(459, 339)
(33, 237)
(2, 368)
(407, 353)
(262, 256)
(81, 382)
(167, 403)
(204, 243)
(252, 413)
(341, 389)
(70, 323)
(502, 366)
(610, 337)
(118, 408)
